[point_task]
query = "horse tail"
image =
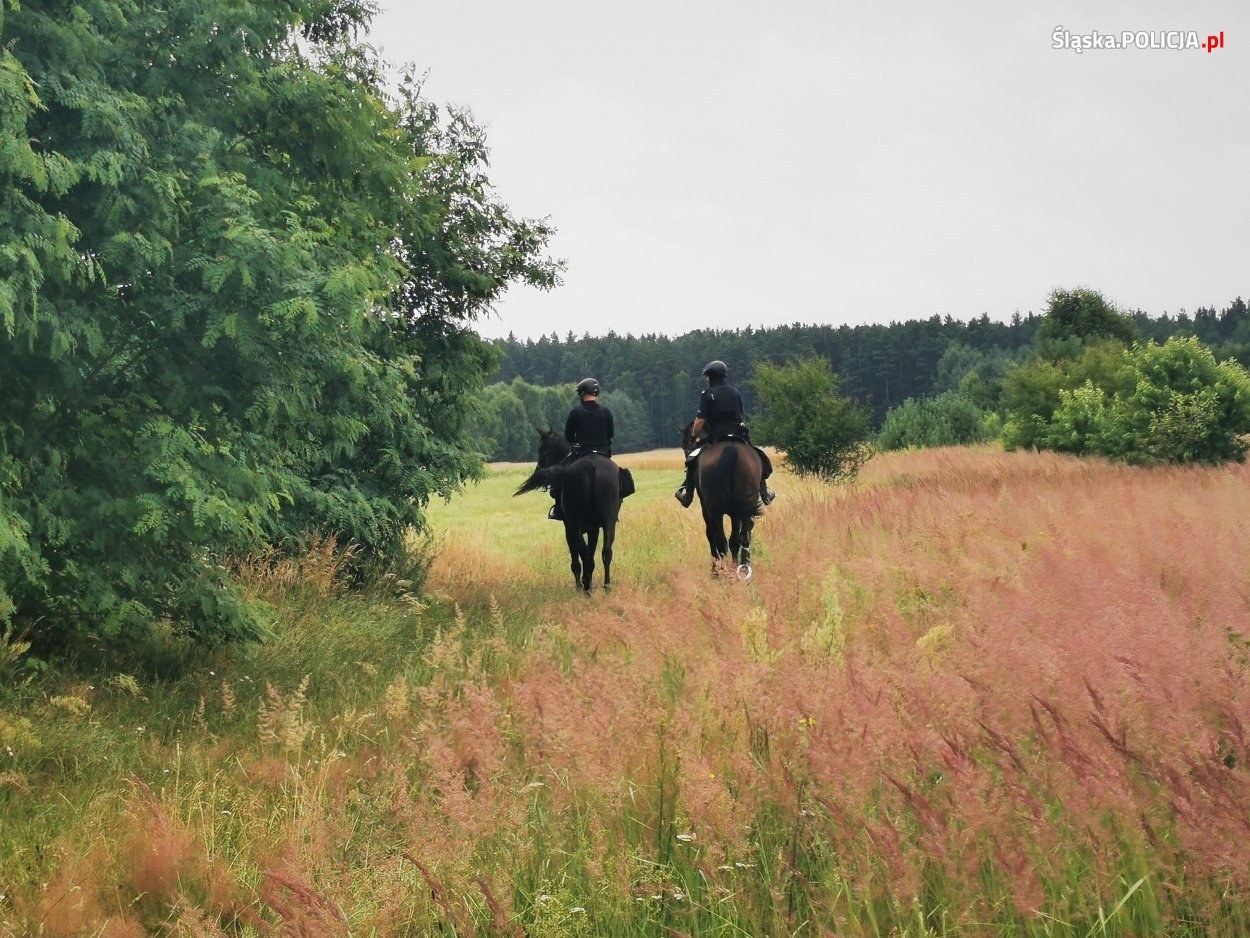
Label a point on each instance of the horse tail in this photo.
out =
(728, 466)
(539, 479)
(544, 478)
(607, 483)
(754, 508)
(729, 463)
(757, 509)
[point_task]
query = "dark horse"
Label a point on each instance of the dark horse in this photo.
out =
(728, 483)
(590, 497)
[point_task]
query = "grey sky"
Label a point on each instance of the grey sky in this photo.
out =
(729, 164)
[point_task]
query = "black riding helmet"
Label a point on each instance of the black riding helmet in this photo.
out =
(588, 386)
(716, 370)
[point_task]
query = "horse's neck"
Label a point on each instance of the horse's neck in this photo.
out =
(558, 448)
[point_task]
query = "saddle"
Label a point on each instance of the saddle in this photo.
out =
(739, 437)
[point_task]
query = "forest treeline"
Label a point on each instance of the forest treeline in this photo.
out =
(652, 381)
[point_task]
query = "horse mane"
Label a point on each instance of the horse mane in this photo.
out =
(554, 444)
(685, 435)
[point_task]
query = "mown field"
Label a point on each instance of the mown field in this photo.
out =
(974, 693)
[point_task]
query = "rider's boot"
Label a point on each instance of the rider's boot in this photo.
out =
(685, 491)
(554, 513)
(766, 494)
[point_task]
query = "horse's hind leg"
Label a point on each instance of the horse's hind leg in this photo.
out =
(573, 538)
(588, 558)
(735, 538)
(609, 535)
(744, 555)
(715, 537)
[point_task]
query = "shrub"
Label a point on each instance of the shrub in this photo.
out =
(1170, 403)
(821, 432)
(1032, 392)
(949, 419)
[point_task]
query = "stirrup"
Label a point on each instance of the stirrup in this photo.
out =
(554, 513)
(767, 495)
(684, 496)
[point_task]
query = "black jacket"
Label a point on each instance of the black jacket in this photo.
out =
(721, 407)
(589, 426)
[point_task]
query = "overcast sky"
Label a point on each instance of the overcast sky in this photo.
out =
(729, 164)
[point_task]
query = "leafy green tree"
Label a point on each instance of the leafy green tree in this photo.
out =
(950, 419)
(1079, 424)
(976, 374)
(1033, 391)
(630, 421)
(545, 407)
(821, 432)
(1172, 403)
(1079, 316)
(506, 416)
(237, 279)
(500, 427)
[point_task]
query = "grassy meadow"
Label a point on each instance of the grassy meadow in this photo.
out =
(974, 693)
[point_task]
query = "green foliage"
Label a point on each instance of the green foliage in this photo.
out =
(950, 419)
(1076, 317)
(821, 432)
(630, 421)
(878, 365)
(506, 416)
(1032, 392)
(500, 427)
(1170, 403)
(976, 374)
(1078, 424)
(237, 275)
(1183, 407)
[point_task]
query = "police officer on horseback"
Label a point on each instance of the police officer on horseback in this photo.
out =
(720, 415)
(589, 429)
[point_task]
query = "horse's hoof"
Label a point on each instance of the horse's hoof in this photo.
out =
(744, 572)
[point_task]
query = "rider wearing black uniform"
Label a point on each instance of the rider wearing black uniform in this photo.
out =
(720, 415)
(589, 429)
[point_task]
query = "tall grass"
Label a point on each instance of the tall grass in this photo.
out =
(975, 693)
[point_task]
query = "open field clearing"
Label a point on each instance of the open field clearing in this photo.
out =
(975, 693)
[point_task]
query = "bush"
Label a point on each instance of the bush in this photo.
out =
(1170, 403)
(1081, 316)
(235, 299)
(949, 419)
(1032, 392)
(821, 432)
